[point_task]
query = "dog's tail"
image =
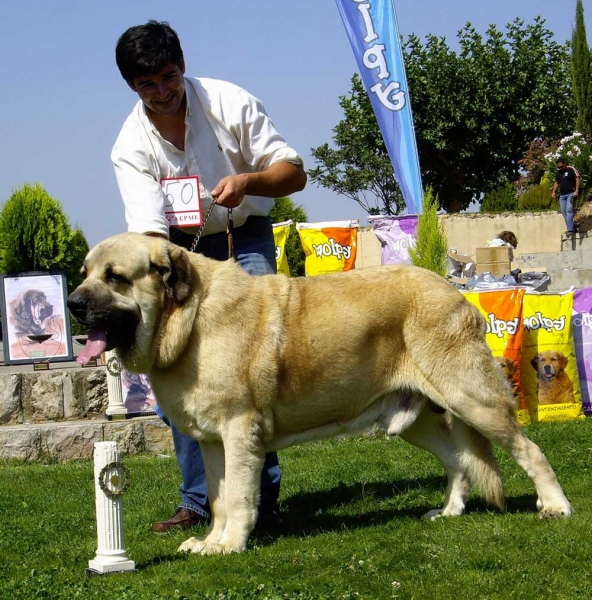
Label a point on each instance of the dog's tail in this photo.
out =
(478, 461)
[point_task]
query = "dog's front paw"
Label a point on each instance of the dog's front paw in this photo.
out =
(201, 546)
(220, 549)
(193, 544)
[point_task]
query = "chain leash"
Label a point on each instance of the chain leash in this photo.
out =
(229, 230)
(202, 227)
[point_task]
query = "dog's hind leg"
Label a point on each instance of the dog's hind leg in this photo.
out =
(467, 458)
(482, 399)
(499, 424)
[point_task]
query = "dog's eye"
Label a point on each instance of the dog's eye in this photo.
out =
(116, 278)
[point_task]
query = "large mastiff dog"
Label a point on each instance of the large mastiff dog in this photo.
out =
(249, 364)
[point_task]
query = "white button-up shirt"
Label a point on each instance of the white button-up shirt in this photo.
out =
(227, 132)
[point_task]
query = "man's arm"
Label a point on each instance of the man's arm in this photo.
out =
(279, 179)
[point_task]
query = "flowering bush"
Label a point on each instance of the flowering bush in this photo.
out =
(578, 153)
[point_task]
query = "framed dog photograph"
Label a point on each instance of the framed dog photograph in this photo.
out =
(35, 319)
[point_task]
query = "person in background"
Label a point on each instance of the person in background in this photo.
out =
(505, 238)
(216, 130)
(568, 182)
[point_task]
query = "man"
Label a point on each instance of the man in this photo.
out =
(568, 182)
(213, 129)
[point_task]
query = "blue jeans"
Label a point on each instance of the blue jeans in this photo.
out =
(567, 210)
(254, 250)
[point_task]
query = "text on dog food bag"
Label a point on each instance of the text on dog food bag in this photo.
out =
(329, 246)
(502, 310)
(549, 369)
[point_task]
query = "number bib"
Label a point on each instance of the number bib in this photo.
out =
(182, 207)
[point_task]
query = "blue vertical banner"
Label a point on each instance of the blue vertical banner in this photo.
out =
(371, 26)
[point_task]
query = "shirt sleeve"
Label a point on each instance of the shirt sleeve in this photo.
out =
(260, 143)
(141, 192)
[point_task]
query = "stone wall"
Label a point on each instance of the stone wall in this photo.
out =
(67, 440)
(59, 415)
(54, 395)
(536, 232)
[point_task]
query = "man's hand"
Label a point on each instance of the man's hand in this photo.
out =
(279, 179)
(230, 191)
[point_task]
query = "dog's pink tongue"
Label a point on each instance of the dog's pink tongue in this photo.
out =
(95, 345)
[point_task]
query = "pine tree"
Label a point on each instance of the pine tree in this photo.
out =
(581, 73)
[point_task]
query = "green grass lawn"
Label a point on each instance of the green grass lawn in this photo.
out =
(352, 530)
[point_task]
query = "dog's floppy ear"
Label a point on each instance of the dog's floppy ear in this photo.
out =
(172, 263)
(562, 360)
(535, 362)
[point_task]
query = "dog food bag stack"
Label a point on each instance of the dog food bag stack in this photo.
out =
(549, 368)
(502, 310)
(329, 246)
(582, 330)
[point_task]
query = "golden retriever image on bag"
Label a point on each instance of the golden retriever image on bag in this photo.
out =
(249, 364)
(554, 385)
(509, 369)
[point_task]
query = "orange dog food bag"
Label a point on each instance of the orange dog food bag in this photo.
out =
(502, 310)
(329, 246)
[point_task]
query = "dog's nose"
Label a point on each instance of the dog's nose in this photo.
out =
(77, 303)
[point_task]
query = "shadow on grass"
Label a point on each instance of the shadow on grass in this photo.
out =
(309, 512)
(163, 559)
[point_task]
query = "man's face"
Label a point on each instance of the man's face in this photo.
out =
(162, 93)
(561, 166)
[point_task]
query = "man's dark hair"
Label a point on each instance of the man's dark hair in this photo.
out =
(145, 49)
(561, 160)
(508, 237)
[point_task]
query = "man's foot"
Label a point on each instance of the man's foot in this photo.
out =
(182, 519)
(269, 522)
(569, 233)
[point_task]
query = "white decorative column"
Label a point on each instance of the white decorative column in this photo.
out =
(116, 406)
(111, 480)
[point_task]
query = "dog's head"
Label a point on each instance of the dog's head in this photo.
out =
(549, 364)
(133, 286)
(30, 310)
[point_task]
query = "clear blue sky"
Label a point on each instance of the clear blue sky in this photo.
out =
(63, 101)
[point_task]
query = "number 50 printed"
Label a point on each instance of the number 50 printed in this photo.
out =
(182, 204)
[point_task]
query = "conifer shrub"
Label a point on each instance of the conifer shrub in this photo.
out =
(431, 247)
